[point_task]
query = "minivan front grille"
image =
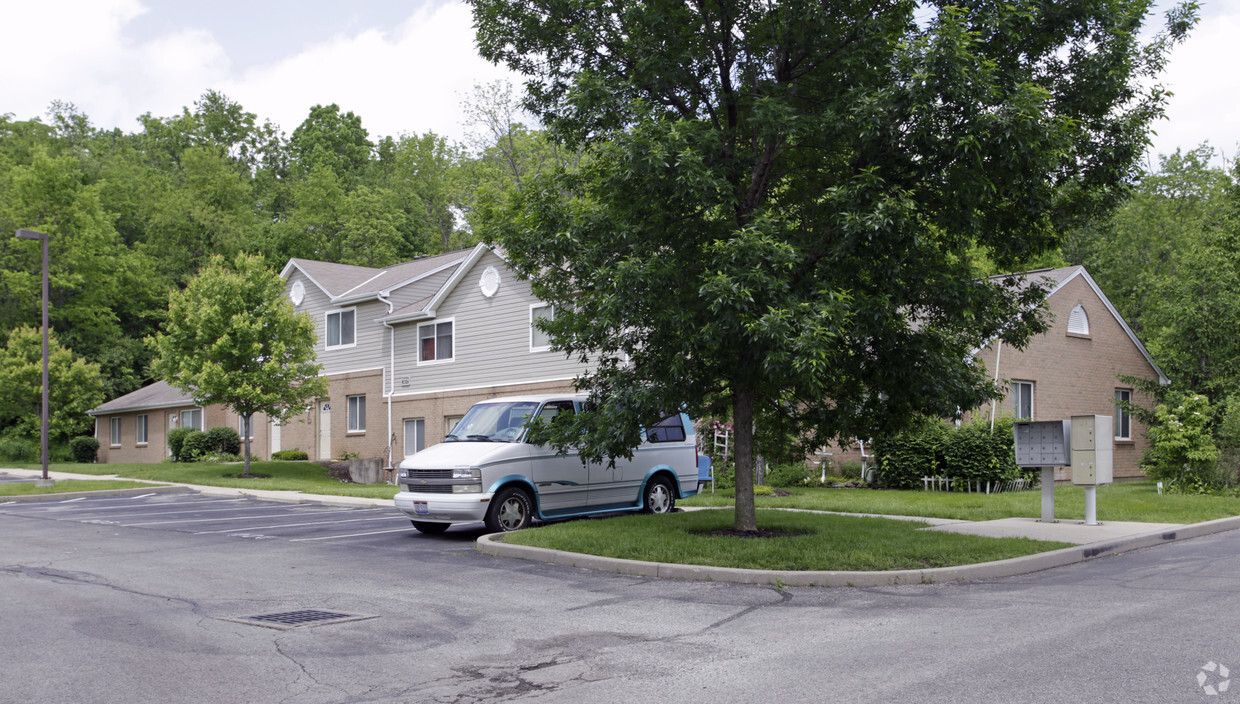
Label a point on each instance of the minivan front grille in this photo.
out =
(430, 473)
(430, 488)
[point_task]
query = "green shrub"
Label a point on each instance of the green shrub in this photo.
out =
(176, 439)
(221, 457)
(725, 475)
(906, 457)
(972, 454)
(194, 445)
(789, 475)
(224, 439)
(850, 470)
(1182, 451)
(14, 449)
(84, 449)
(762, 490)
(290, 455)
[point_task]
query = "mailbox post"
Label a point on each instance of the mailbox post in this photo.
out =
(1044, 444)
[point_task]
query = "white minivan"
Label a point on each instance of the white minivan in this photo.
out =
(485, 471)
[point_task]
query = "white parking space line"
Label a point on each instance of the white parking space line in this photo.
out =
(295, 525)
(351, 535)
(233, 518)
(303, 508)
(99, 502)
(70, 501)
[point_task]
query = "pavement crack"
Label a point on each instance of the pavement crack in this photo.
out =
(92, 580)
(784, 598)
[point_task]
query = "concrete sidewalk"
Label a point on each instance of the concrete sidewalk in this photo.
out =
(1107, 538)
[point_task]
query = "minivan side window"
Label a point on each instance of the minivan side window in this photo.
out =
(670, 429)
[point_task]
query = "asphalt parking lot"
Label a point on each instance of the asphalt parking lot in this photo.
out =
(245, 518)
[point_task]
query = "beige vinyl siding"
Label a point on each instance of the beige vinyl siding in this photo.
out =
(491, 339)
(370, 337)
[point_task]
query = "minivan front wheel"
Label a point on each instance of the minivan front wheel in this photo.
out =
(659, 496)
(510, 510)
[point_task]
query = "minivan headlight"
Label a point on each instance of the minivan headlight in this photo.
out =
(466, 488)
(467, 473)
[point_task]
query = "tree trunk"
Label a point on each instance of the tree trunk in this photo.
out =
(742, 426)
(247, 431)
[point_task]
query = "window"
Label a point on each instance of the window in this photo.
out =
(192, 419)
(435, 342)
(449, 423)
(670, 429)
(1078, 321)
(244, 429)
(1022, 400)
(141, 433)
(116, 432)
(540, 340)
(415, 435)
(1123, 417)
(357, 414)
(340, 328)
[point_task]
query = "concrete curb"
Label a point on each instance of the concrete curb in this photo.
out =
(140, 491)
(493, 544)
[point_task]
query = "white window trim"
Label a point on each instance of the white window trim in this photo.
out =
(349, 415)
(405, 424)
(142, 426)
(114, 432)
(241, 427)
(1032, 398)
(202, 419)
(337, 312)
(534, 307)
(437, 360)
(1118, 413)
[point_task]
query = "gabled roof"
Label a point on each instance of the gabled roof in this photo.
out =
(1060, 278)
(161, 394)
(426, 307)
(346, 283)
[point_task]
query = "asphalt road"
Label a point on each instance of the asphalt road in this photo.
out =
(125, 599)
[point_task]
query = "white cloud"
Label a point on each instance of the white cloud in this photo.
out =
(409, 79)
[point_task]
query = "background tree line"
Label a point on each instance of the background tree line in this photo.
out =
(134, 215)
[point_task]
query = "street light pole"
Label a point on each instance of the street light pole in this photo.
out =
(32, 235)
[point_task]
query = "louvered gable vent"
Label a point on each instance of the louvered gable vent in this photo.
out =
(1078, 321)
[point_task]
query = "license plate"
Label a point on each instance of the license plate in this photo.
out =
(420, 507)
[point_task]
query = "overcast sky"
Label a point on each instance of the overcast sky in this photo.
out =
(402, 66)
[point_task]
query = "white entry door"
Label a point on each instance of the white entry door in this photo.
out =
(325, 430)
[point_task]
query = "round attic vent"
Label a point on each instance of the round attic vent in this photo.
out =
(489, 282)
(297, 294)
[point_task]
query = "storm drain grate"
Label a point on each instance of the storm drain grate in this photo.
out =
(298, 619)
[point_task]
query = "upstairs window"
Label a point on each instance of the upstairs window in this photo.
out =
(539, 340)
(1078, 321)
(340, 328)
(435, 342)
(1022, 400)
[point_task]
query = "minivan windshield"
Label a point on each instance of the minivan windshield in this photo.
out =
(493, 422)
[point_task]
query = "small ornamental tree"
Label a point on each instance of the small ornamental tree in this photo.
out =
(75, 387)
(232, 338)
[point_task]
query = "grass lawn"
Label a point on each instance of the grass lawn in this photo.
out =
(306, 477)
(814, 542)
(66, 486)
(1129, 501)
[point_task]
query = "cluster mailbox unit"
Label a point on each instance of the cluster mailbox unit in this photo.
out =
(1082, 443)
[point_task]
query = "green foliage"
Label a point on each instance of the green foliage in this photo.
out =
(233, 338)
(775, 190)
(194, 446)
(1227, 434)
(850, 470)
(224, 439)
(74, 384)
(84, 449)
(176, 443)
(970, 454)
(1182, 450)
(290, 455)
(784, 476)
(19, 449)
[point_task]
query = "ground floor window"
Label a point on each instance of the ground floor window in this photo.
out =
(116, 432)
(192, 419)
(141, 433)
(1123, 418)
(415, 435)
(357, 414)
(1022, 400)
(245, 428)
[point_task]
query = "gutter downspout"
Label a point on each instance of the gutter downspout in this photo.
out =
(390, 373)
(994, 402)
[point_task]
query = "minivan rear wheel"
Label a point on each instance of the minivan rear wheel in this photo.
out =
(510, 510)
(659, 496)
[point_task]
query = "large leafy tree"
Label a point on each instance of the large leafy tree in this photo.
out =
(74, 387)
(782, 197)
(232, 338)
